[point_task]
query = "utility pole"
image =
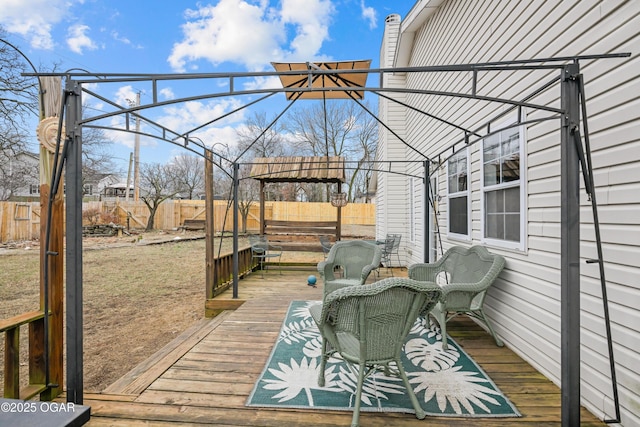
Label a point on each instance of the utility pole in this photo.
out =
(136, 152)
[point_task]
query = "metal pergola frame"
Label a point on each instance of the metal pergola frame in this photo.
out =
(573, 158)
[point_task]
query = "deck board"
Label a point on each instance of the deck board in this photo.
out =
(210, 382)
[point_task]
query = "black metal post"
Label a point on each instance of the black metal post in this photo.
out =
(570, 248)
(427, 223)
(73, 178)
(236, 184)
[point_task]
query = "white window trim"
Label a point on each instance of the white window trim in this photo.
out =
(522, 182)
(412, 211)
(433, 220)
(467, 192)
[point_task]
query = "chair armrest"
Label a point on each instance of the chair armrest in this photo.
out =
(366, 272)
(322, 269)
(425, 272)
(463, 287)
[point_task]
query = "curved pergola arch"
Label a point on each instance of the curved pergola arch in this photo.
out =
(571, 112)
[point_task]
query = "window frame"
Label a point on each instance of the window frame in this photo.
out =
(413, 226)
(520, 183)
(458, 194)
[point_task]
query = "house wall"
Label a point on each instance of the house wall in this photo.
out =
(525, 304)
(392, 206)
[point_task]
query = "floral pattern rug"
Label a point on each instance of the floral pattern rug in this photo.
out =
(447, 382)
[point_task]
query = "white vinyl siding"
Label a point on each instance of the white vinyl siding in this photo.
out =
(391, 195)
(524, 303)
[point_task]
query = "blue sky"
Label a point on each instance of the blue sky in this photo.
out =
(143, 36)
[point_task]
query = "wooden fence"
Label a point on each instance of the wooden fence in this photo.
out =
(21, 221)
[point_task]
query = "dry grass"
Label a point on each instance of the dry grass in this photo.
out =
(137, 298)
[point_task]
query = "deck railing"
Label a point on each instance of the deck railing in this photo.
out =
(11, 329)
(224, 268)
(223, 277)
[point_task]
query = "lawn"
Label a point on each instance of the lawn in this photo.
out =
(137, 298)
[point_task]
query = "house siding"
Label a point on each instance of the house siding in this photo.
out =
(524, 303)
(393, 205)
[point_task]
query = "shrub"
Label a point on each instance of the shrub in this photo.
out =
(92, 215)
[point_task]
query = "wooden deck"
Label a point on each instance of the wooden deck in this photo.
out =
(205, 376)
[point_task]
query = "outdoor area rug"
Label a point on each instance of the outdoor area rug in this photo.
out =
(447, 382)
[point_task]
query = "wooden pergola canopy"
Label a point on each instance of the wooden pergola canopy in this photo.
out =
(299, 169)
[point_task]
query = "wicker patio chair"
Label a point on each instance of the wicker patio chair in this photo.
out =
(262, 250)
(348, 263)
(368, 325)
(464, 276)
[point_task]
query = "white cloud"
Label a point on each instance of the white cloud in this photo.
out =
(252, 34)
(33, 19)
(266, 82)
(124, 40)
(167, 93)
(125, 96)
(311, 20)
(369, 14)
(184, 117)
(77, 39)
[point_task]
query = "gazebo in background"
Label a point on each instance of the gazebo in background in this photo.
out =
(298, 169)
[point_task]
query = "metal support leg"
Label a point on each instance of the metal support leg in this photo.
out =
(570, 249)
(74, 244)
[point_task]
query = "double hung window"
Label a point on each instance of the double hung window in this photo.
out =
(502, 188)
(458, 195)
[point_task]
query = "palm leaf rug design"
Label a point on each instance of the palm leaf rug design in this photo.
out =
(447, 382)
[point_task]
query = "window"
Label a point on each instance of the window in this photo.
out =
(458, 194)
(503, 196)
(88, 189)
(34, 189)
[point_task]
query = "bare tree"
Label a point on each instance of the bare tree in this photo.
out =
(248, 194)
(97, 160)
(335, 128)
(366, 140)
(16, 173)
(260, 138)
(18, 101)
(188, 175)
(157, 186)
